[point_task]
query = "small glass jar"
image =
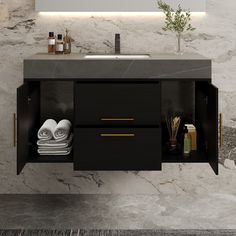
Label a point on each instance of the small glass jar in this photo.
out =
(59, 44)
(51, 43)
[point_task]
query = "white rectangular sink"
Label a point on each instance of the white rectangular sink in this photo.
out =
(118, 56)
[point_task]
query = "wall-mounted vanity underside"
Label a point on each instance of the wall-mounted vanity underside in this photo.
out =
(118, 109)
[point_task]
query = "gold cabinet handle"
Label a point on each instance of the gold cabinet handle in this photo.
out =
(14, 129)
(117, 135)
(117, 119)
(221, 128)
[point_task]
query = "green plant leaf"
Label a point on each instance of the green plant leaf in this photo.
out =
(178, 21)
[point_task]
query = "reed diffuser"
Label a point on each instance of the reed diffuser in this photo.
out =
(173, 127)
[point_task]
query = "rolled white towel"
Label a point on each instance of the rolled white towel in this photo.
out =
(47, 129)
(45, 144)
(58, 152)
(62, 130)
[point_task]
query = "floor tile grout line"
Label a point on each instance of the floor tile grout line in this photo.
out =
(20, 232)
(71, 232)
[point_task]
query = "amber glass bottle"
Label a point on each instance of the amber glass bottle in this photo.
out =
(51, 43)
(59, 44)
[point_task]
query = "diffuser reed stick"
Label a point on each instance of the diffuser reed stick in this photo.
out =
(173, 126)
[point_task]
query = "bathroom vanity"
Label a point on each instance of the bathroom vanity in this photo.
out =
(118, 109)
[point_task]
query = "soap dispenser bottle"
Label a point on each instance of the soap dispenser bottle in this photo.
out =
(187, 144)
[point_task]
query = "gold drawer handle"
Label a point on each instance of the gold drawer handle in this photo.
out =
(118, 119)
(117, 135)
(221, 128)
(14, 129)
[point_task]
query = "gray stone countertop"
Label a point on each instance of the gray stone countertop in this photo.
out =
(78, 56)
(76, 67)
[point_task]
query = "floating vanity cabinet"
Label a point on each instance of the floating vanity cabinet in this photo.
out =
(118, 109)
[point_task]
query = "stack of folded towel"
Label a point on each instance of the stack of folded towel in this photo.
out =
(55, 139)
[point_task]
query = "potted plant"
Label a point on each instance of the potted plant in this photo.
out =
(176, 21)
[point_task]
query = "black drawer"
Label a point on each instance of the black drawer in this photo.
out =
(117, 149)
(122, 104)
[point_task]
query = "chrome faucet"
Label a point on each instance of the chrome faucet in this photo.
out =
(117, 43)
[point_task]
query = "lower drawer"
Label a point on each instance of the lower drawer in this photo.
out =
(117, 149)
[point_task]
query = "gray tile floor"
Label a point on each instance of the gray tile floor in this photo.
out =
(109, 212)
(81, 232)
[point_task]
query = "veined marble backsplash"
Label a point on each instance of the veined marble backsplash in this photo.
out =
(23, 32)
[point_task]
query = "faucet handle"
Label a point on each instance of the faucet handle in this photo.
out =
(117, 43)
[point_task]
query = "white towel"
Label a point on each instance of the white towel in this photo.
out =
(62, 130)
(43, 144)
(59, 151)
(47, 129)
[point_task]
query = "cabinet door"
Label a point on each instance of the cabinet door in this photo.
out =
(207, 121)
(27, 121)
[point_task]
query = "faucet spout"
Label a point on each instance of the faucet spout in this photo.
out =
(117, 43)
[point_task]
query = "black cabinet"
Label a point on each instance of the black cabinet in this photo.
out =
(37, 101)
(197, 103)
(117, 125)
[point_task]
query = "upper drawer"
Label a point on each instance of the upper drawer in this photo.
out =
(117, 104)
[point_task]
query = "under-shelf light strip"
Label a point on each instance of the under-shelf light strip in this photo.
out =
(85, 14)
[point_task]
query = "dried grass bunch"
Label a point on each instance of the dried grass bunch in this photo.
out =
(173, 126)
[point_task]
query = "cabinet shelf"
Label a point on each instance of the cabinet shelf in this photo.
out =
(195, 157)
(51, 159)
(34, 157)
